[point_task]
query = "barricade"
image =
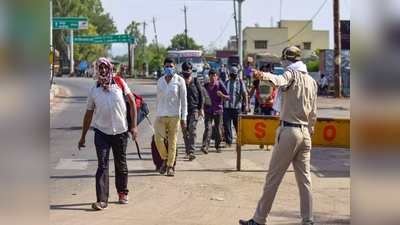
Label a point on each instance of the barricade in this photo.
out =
(257, 130)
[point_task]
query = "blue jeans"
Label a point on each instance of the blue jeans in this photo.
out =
(230, 115)
(266, 111)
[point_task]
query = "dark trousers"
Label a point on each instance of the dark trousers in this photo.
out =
(190, 134)
(230, 115)
(218, 128)
(322, 89)
(118, 143)
(267, 111)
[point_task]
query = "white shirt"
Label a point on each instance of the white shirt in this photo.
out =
(171, 98)
(109, 109)
(324, 81)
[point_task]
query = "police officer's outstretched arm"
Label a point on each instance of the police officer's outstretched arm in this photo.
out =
(276, 81)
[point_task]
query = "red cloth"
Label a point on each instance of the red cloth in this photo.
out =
(272, 97)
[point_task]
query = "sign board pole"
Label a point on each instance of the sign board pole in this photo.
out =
(72, 51)
(132, 58)
(51, 32)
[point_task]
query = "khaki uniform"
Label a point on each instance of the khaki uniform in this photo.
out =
(292, 144)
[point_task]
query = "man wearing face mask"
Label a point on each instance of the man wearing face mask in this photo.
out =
(293, 136)
(171, 108)
(233, 107)
(195, 101)
(106, 99)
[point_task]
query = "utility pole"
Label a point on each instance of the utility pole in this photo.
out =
(240, 41)
(155, 32)
(280, 15)
(184, 10)
(236, 30)
(144, 43)
(337, 51)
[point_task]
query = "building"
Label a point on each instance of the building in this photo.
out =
(274, 39)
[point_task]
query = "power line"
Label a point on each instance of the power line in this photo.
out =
(222, 31)
(301, 28)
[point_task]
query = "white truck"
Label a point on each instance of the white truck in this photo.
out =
(193, 56)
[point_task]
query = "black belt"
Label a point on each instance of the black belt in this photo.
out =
(286, 124)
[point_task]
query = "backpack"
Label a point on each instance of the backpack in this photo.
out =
(142, 110)
(207, 99)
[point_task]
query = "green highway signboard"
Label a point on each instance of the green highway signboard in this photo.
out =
(103, 39)
(70, 23)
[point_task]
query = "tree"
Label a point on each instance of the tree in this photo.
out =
(315, 53)
(133, 30)
(89, 52)
(179, 41)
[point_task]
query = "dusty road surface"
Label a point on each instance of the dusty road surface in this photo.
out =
(192, 196)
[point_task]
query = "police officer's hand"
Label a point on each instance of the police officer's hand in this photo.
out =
(246, 109)
(134, 133)
(81, 143)
(258, 75)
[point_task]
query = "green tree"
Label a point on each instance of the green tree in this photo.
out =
(179, 41)
(313, 66)
(315, 53)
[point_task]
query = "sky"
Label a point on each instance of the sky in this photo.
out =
(207, 19)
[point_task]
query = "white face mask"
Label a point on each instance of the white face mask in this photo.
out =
(286, 63)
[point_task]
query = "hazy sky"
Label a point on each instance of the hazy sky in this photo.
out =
(206, 19)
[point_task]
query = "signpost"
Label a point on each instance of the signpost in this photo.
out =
(103, 39)
(70, 23)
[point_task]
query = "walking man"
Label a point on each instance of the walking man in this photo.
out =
(171, 109)
(249, 72)
(293, 141)
(222, 73)
(233, 107)
(106, 101)
(195, 102)
(217, 92)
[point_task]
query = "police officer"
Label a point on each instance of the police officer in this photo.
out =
(293, 136)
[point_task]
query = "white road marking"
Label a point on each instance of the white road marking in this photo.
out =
(72, 164)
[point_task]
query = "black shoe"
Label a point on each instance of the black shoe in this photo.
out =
(219, 150)
(249, 222)
(99, 205)
(163, 167)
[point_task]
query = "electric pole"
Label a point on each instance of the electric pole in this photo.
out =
(155, 32)
(236, 30)
(129, 59)
(280, 15)
(144, 41)
(240, 41)
(337, 51)
(184, 10)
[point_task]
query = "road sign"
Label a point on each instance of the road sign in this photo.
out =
(70, 23)
(103, 39)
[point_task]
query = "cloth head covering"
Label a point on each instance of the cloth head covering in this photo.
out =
(105, 82)
(291, 52)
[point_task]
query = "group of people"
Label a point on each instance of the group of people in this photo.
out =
(181, 101)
